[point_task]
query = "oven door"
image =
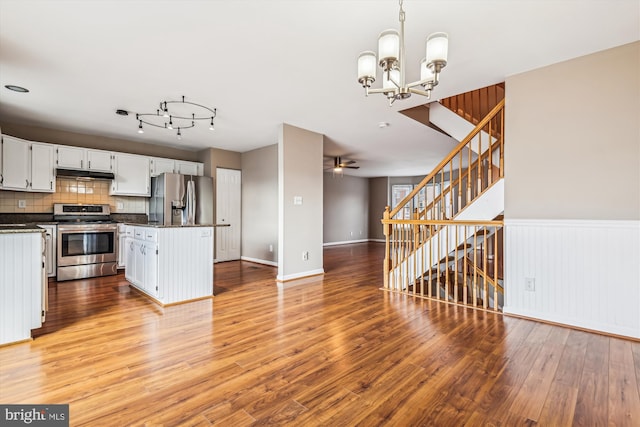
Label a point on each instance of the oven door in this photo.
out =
(86, 244)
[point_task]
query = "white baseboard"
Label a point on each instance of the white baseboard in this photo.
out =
(345, 242)
(259, 261)
(309, 273)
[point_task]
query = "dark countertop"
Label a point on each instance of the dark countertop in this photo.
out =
(26, 218)
(175, 226)
(20, 228)
(47, 218)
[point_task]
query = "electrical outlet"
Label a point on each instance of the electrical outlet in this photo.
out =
(22, 204)
(305, 256)
(270, 248)
(529, 284)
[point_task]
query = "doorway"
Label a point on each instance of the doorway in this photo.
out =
(228, 214)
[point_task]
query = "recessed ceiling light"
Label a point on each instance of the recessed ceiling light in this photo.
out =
(17, 88)
(383, 125)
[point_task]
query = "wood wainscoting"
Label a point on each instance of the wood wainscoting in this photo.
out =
(334, 350)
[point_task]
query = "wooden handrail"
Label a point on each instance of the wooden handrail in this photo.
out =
(452, 185)
(448, 158)
(498, 223)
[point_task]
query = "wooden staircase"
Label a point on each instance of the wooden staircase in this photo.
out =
(451, 250)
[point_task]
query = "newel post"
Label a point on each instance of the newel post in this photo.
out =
(386, 229)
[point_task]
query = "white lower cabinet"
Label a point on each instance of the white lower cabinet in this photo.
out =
(50, 246)
(151, 269)
(172, 264)
(130, 265)
(122, 246)
(138, 260)
(22, 285)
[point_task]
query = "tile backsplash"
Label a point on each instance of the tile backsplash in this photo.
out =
(71, 191)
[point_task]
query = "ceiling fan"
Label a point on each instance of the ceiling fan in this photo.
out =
(338, 164)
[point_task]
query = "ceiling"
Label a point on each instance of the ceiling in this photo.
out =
(266, 62)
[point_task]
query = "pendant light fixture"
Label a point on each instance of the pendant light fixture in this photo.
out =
(391, 58)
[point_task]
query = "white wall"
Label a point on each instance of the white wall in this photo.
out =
(346, 208)
(573, 139)
(260, 205)
(299, 225)
(572, 192)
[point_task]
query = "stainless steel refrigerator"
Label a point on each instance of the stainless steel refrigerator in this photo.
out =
(181, 199)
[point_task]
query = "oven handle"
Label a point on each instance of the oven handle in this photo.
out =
(87, 228)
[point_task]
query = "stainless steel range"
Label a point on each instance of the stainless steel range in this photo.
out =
(87, 243)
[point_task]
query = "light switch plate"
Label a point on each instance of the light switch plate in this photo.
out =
(22, 204)
(297, 200)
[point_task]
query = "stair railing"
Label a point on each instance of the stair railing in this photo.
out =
(475, 164)
(416, 247)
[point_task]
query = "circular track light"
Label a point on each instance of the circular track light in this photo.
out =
(17, 88)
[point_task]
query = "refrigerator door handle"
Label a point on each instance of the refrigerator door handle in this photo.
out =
(191, 203)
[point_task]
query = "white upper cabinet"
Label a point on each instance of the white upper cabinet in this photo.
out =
(132, 176)
(189, 168)
(70, 157)
(42, 171)
(31, 166)
(159, 166)
(27, 166)
(84, 159)
(16, 165)
(98, 160)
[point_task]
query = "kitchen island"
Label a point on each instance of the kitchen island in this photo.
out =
(23, 283)
(170, 264)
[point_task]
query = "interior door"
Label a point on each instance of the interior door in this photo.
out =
(228, 191)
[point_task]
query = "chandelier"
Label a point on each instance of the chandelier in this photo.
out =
(391, 58)
(172, 116)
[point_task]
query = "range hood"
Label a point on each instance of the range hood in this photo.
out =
(83, 174)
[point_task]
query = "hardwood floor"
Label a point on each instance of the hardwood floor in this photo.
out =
(333, 350)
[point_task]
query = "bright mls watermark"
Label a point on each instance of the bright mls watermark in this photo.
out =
(34, 415)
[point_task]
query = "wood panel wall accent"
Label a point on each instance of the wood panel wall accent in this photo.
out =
(585, 273)
(473, 106)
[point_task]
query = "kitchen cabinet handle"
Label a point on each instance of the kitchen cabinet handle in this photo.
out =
(27, 181)
(50, 185)
(89, 164)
